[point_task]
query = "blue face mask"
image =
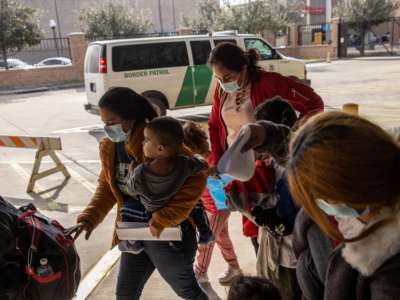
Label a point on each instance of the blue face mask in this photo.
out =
(115, 133)
(337, 210)
(230, 87)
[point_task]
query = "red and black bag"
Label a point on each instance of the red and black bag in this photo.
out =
(29, 237)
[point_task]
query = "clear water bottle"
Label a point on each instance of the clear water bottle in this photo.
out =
(44, 270)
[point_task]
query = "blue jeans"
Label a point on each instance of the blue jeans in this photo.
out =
(174, 262)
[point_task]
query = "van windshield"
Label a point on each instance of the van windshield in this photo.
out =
(149, 56)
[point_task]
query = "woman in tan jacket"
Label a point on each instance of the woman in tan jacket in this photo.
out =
(125, 113)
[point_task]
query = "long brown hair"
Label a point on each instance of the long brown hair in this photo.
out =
(344, 159)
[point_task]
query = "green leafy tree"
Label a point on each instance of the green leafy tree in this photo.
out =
(208, 12)
(362, 15)
(252, 17)
(19, 27)
(112, 20)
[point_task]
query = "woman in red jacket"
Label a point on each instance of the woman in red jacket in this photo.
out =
(242, 87)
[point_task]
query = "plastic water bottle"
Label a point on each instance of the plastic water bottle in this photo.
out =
(44, 270)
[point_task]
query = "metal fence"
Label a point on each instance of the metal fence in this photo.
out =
(49, 47)
(381, 39)
(316, 34)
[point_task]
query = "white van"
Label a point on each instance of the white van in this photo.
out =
(171, 72)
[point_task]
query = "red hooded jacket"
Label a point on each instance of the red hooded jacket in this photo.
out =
(301, 97)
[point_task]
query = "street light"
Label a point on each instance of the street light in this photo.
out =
(53, 25)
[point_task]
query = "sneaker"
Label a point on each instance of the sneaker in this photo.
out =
(133, 247)
(202, 278)
(206, 238)
(229, 275)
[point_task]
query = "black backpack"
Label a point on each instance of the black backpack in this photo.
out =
(26, 237)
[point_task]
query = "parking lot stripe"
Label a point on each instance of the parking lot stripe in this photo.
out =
(88, 161)
(82, 180)
(94, 277)
(25, 175)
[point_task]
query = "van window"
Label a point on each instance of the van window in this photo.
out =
(265, 51)
(93, 57)
(149, 56)
(200, 51)
(216, 42)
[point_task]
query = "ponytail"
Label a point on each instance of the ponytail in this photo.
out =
(252, 57)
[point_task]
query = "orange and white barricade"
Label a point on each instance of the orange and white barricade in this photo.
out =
(46, 146)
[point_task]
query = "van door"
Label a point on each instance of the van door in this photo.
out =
(94, 81)
(269, 59)
(202, 74)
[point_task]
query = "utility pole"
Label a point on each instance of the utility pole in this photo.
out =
(57, 19)
(173, 14)
(160, 16)
(328, 11)
(53, 25)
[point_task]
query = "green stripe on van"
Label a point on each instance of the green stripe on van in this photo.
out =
(186, 94)
(202, 79)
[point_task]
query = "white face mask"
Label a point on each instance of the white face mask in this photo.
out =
(337, 210)
(115, 133)
(230, 87)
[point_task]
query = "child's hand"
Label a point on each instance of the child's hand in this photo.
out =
(213, 171)
(155, 231)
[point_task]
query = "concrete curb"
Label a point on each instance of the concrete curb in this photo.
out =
(41, 89)
(318, 61)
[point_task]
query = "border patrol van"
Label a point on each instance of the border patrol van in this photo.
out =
(171, 72)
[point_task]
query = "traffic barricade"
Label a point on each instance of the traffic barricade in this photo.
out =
(46, 146)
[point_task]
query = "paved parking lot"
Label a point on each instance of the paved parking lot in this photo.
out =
(373, 83)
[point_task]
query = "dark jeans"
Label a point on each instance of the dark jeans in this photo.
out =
(174, 262)
(200, 218)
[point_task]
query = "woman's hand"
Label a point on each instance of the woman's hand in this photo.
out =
(77, 229)
(257, 137)
(155, 231)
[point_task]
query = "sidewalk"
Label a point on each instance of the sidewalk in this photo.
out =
(157, 289)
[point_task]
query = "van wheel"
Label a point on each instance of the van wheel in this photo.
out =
(158, 101)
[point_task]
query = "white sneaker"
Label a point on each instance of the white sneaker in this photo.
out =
(202, 278)
(229, 275)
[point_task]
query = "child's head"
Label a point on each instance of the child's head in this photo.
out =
(196, 139)
(276, 110)
(163, 137)
(253, 288)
